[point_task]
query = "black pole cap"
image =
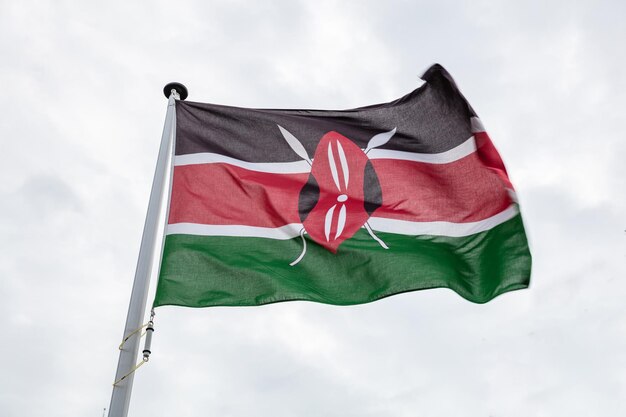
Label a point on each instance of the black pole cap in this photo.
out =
(180, 89)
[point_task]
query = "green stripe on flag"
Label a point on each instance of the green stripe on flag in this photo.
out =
(201, 271)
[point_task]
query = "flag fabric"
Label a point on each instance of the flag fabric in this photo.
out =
(339, 207)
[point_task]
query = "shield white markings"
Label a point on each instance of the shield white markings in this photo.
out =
(333, 166)
(341, 221)
(379, 140)
(344, 164)
(328, 220)
(334, 171)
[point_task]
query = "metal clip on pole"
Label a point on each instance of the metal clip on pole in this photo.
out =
(148, 343)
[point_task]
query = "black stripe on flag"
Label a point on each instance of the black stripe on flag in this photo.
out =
(432, 119)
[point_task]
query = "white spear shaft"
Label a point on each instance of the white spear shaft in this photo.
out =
(120, 399)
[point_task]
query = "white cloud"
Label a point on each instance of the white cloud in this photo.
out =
(82, 116)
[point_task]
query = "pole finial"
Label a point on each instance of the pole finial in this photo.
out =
(178, 87)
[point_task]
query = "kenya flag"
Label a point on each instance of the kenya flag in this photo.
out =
(340, 207)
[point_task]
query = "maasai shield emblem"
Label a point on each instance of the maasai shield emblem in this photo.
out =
(342, 190)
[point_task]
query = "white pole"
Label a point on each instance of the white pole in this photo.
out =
(120, 399)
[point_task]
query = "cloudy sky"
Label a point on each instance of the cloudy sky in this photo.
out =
(81, 119)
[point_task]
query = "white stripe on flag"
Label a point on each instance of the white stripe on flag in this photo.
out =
(466, 148)
(477, 125)
(286, 232)
(404, 227)
(270, 167)
(401, 227)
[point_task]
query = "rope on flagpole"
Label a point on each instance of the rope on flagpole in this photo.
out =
(146, 350)
(134, 368)
(131, 335)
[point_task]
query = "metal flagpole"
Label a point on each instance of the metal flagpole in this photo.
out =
(120, 399)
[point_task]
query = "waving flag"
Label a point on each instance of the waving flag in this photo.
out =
(340, 207)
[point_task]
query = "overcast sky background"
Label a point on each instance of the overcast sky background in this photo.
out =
(81, 119)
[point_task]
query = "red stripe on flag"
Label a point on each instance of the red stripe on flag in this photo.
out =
(490, 157)
(226, 194)
(461, 191)
(222, 194)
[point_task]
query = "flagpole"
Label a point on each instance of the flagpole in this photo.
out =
(120, 399)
